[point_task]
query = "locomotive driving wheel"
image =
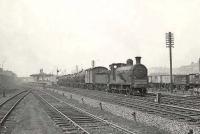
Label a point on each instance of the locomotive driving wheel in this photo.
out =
(143, 91)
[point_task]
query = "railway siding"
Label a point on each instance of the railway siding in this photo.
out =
(128, 113)
(87, 122)
(6, 108)
(30, 118)
(8, 95)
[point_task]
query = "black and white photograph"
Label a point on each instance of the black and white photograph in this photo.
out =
(99, 66)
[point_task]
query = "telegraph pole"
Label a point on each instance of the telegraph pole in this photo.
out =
(170, 44)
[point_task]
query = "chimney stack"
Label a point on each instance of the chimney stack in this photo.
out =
(138, 59)
(93, 63)
(41, 71)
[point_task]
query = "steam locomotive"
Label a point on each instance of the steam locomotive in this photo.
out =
(121, 78)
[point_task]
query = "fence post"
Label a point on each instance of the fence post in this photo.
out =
(71, 96)
(4, 93)
(158, 97)
(100, 104)
(134, 116)
(82, 100)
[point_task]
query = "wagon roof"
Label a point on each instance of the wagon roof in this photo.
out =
(96, 68)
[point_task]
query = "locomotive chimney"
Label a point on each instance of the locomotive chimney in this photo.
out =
(138, 59)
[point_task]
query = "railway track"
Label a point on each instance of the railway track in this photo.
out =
(192, 102)
(5, 110)
(188, 102)
(73, 120)
(191, 116)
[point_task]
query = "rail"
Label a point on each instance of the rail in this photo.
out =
(91, 115)
(13, 106)
(75, 124)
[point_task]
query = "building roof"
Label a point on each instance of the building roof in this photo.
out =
(41, 75)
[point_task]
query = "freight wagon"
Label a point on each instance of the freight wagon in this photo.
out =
(96, 78)
(179, 81)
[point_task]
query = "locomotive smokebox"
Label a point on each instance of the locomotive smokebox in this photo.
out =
(129, 62)
(138, 59)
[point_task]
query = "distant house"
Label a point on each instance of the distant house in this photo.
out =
(192, 68)
(44, 78)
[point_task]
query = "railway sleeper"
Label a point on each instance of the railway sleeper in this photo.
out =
(85, 121)
(82, 121)
(74, 131)
(63, 125)
(80, 117)
(93, 127)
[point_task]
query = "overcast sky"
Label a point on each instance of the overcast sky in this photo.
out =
(48, 34)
